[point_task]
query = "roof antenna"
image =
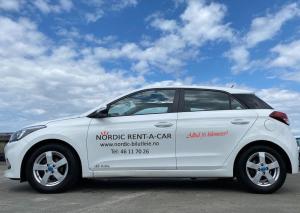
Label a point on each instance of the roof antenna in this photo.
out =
(232, 86)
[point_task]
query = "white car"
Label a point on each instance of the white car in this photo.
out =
(160, 132)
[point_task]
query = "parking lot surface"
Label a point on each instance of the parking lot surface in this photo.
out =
(150, 195)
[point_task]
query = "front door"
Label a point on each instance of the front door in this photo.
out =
(209, 127)
(137, 134)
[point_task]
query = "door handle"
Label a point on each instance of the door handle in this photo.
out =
(240, 122)
(163, 124)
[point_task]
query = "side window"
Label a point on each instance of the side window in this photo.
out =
(235, 105)
(202, 100)
(143, 103)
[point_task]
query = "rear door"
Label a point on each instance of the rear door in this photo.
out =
(210, 124)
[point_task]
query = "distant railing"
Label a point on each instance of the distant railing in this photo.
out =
(4, 138)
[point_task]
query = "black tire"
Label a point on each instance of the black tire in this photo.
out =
(244, 179)
(72, 174)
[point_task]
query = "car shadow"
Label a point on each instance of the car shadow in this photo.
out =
(154, 184)
(140, 184)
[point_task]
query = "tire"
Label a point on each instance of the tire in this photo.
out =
(258, 176)
(54, 176)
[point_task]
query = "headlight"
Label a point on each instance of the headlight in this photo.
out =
(23, 132)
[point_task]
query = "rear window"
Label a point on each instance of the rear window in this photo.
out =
(252, 101)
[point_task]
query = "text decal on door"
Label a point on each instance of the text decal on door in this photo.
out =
(193, 135)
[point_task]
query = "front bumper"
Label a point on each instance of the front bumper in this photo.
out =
(13, 156)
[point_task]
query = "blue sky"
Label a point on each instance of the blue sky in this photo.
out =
(63, 57)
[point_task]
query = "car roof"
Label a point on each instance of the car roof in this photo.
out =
(226, 89)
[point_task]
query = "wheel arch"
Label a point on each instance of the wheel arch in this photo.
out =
(42, 143)
(264, 143)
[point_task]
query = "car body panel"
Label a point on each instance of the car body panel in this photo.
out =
(280, 134)
(72, 131)
(206, 138)
(130, 132)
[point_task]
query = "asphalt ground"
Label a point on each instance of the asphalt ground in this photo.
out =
(150, 195)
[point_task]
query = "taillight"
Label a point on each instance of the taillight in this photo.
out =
(280, 116)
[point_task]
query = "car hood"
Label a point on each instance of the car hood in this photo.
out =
(56, 120)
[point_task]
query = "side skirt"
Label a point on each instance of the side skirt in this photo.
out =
(164, 173)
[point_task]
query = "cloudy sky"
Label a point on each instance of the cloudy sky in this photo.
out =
(63, 57)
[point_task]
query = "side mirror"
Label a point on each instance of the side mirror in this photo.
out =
(102, 112)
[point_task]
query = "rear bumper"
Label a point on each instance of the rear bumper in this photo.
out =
(295, 160)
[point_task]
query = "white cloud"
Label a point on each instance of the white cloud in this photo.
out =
(286, 58)
(292, 75)
(10, 5)
(46, 6)
(200, 22)
(164, 25)
(73, 35)
(240, 56)
(121, 4)
(287, 55)
(39, 81)
(180, 39)
(266, 27)
(100, 7)
(262, 29)
(203, 22)
(178, 2)
(93, 17)
(35, 111)
(20, 38)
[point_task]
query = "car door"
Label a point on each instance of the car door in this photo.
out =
(138, 133)
(210, 124)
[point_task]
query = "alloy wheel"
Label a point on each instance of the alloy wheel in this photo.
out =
(262, 169)
(50, 168)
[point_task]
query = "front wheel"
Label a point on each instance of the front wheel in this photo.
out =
(52, 168)
(261, 169)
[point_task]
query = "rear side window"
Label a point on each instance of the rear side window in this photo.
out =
(252, 101)
(202, 100)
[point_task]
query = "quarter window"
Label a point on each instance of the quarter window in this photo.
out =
(252, 101)
(235, 105)
(143, 103)
(203, 100)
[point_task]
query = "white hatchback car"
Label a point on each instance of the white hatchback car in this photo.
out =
(160, 132)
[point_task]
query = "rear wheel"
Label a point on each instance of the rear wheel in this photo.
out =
(52, 168)
(261, 169)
